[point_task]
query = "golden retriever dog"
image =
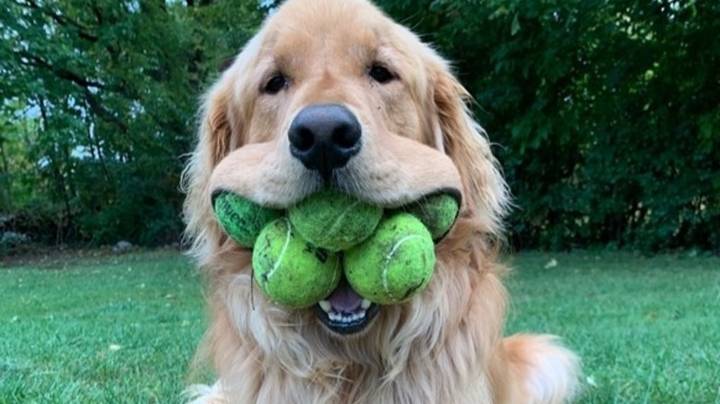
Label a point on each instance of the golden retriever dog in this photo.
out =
(334, 93)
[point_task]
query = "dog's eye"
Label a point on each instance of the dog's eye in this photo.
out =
(381, 74)
(275, 84)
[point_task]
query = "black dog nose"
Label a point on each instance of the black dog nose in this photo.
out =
(324, 137)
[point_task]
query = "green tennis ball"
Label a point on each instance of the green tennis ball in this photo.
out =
(333, 220)
(437, 212)
(241, 218)
(291, 271)
(395, 263)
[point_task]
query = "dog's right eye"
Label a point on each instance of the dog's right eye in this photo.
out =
(275, 84)
(381, 74)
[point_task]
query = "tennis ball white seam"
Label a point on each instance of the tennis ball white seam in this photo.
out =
(270, 273)
(340, 216)
(388, 257)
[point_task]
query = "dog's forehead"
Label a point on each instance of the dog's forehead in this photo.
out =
(311, 29)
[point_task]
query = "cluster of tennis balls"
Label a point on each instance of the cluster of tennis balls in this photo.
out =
(299, 254)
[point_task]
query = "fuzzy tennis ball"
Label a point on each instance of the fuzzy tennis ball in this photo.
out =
(241, 218)
(291, 271)
(393, 264)
(333, 220)
(437, 212)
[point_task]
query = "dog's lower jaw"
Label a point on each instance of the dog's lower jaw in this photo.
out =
(388, 364)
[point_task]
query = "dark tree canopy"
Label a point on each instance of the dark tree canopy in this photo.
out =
(604, 114)
(100, 106)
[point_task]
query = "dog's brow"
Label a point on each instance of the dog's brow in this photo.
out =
(269, 64)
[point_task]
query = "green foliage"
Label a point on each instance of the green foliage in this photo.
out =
(606, 113)
(100, 105)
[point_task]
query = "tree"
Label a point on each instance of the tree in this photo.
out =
(605, 114)
(112, 88)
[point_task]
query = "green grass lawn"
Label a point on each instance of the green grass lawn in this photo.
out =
(123, 329)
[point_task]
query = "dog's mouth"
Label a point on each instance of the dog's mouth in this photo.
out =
(345, 312)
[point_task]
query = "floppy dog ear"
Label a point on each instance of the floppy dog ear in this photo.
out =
(485, 193)
(214, 136)
(216, 130)
(219, 133)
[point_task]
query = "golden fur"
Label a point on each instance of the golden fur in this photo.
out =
(445, 345)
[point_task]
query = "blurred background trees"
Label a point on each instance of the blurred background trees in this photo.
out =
(99, 107)
(604, 114)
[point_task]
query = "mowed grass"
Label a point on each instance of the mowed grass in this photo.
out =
(646, 329)
(124, 328)
(109, 330)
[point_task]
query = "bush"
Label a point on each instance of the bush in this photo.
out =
(605, 115)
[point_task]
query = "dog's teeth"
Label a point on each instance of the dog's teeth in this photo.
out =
(325, 305)
(345, 318)
(366, 304)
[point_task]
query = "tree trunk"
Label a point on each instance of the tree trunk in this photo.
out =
(65, 221)
(5, 188)
(95, 147)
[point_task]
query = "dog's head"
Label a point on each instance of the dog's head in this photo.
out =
(334, 92)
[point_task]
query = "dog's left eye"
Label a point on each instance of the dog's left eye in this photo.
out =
(381, 74)
(275, 84)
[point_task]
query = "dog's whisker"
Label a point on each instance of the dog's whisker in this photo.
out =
(252, 290)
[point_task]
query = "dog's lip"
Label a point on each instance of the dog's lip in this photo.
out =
(390, 203)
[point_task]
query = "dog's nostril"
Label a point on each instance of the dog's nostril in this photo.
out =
(345, 137)
(305, 140)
